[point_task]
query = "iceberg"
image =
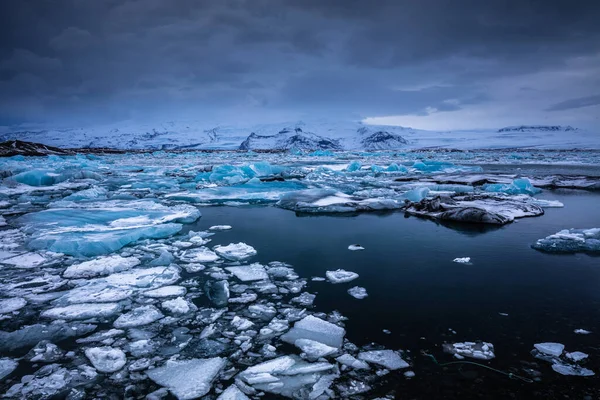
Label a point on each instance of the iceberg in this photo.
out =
(571, 241)
(187, 379)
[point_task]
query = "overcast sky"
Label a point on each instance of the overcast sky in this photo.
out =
(432, 64)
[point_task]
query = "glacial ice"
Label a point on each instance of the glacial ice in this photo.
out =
(518, 186)
(571, 241)
(106, 359)
(235, 251)
(187, 379)
(340, 276)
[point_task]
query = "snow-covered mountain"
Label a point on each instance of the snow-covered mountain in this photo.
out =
(302, 135)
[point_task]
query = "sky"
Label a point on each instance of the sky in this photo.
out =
(429, 64)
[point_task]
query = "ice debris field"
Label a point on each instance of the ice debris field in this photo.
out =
(103, 291)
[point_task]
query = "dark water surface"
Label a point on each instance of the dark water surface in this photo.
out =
(420, 295)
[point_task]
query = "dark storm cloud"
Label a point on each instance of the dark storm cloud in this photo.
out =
(105, 60)
(575, 103)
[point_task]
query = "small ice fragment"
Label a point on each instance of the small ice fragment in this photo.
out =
(27, 260)
(317, 279)
(352, 362)
(355, 247)
(143, 315)
(199, 255)
(189, 379)
(248, 273)
(572, 370)
(233, 393)
(582, 332)
(305, 299)
(7, 366)
(241, 324)
(314, 328)
(462, 260)
(12, 304)
(479, 350)
(220, 227)
(409, 374)
(341, 276)
(503, 314)
(313, 349)
(552, 349)
(358, 292)
(235, 251)
(576, 356)
(387, 331)
(106, 359)
(178, 306)
(386, 358)
(166, 291)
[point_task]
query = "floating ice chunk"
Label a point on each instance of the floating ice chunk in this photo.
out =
(409, 374)
(50, 380)
(355, 247)
(165, 258)
(101, 336)
(147, 278)
(479, 350)
(305, 299)
(576, 356)
(353, 166)
(358, 292)
(7, 366)
(582, 332)
(12, 304)
(340, 276)
(30, 335)
(166, 291)
(313, 349)
(352, 362)
(220, 227)
(97, 292)
(263, 310)
(244, 298)
(241, 324)
(45, 351)
(551, 349)
(2, 221)
(27, 260)
(462, 260)
(143, 315)
(178, 306)
(386, 358)
(82, 311)
(314, 328)
(317, 279)
(199, 255)
(217, 292)
(252, 272)
(417, 194)
(572, 370)
(518, 186)
(100, 266)
(106, 359)
(188, 379)
(235, 251)
(571, 241)
(233, 393)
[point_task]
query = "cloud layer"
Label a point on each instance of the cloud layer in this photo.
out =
(442, 63)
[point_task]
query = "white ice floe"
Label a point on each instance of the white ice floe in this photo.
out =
(386, 358)
(352, 362)
(478, 350)
(12, 304)
(106, 359)
(143, 315)
(582, 332)
(551, 349)
(248, 273)
(462, 260)
(355, 247)
(571, 370)
(82, 311)
(166, 291)
(314, 328)
(178, 306)
(340, 276)
(241, 324)
(187, 379)
(305, 299)
(358, 292)
(27, 260)
(100, 266)
(199, 255)
(220, 227)
(576, 356)
(313, 349)
(235, 251)
(233, 393)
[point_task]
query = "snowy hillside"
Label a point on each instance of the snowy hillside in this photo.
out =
(301, 135)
